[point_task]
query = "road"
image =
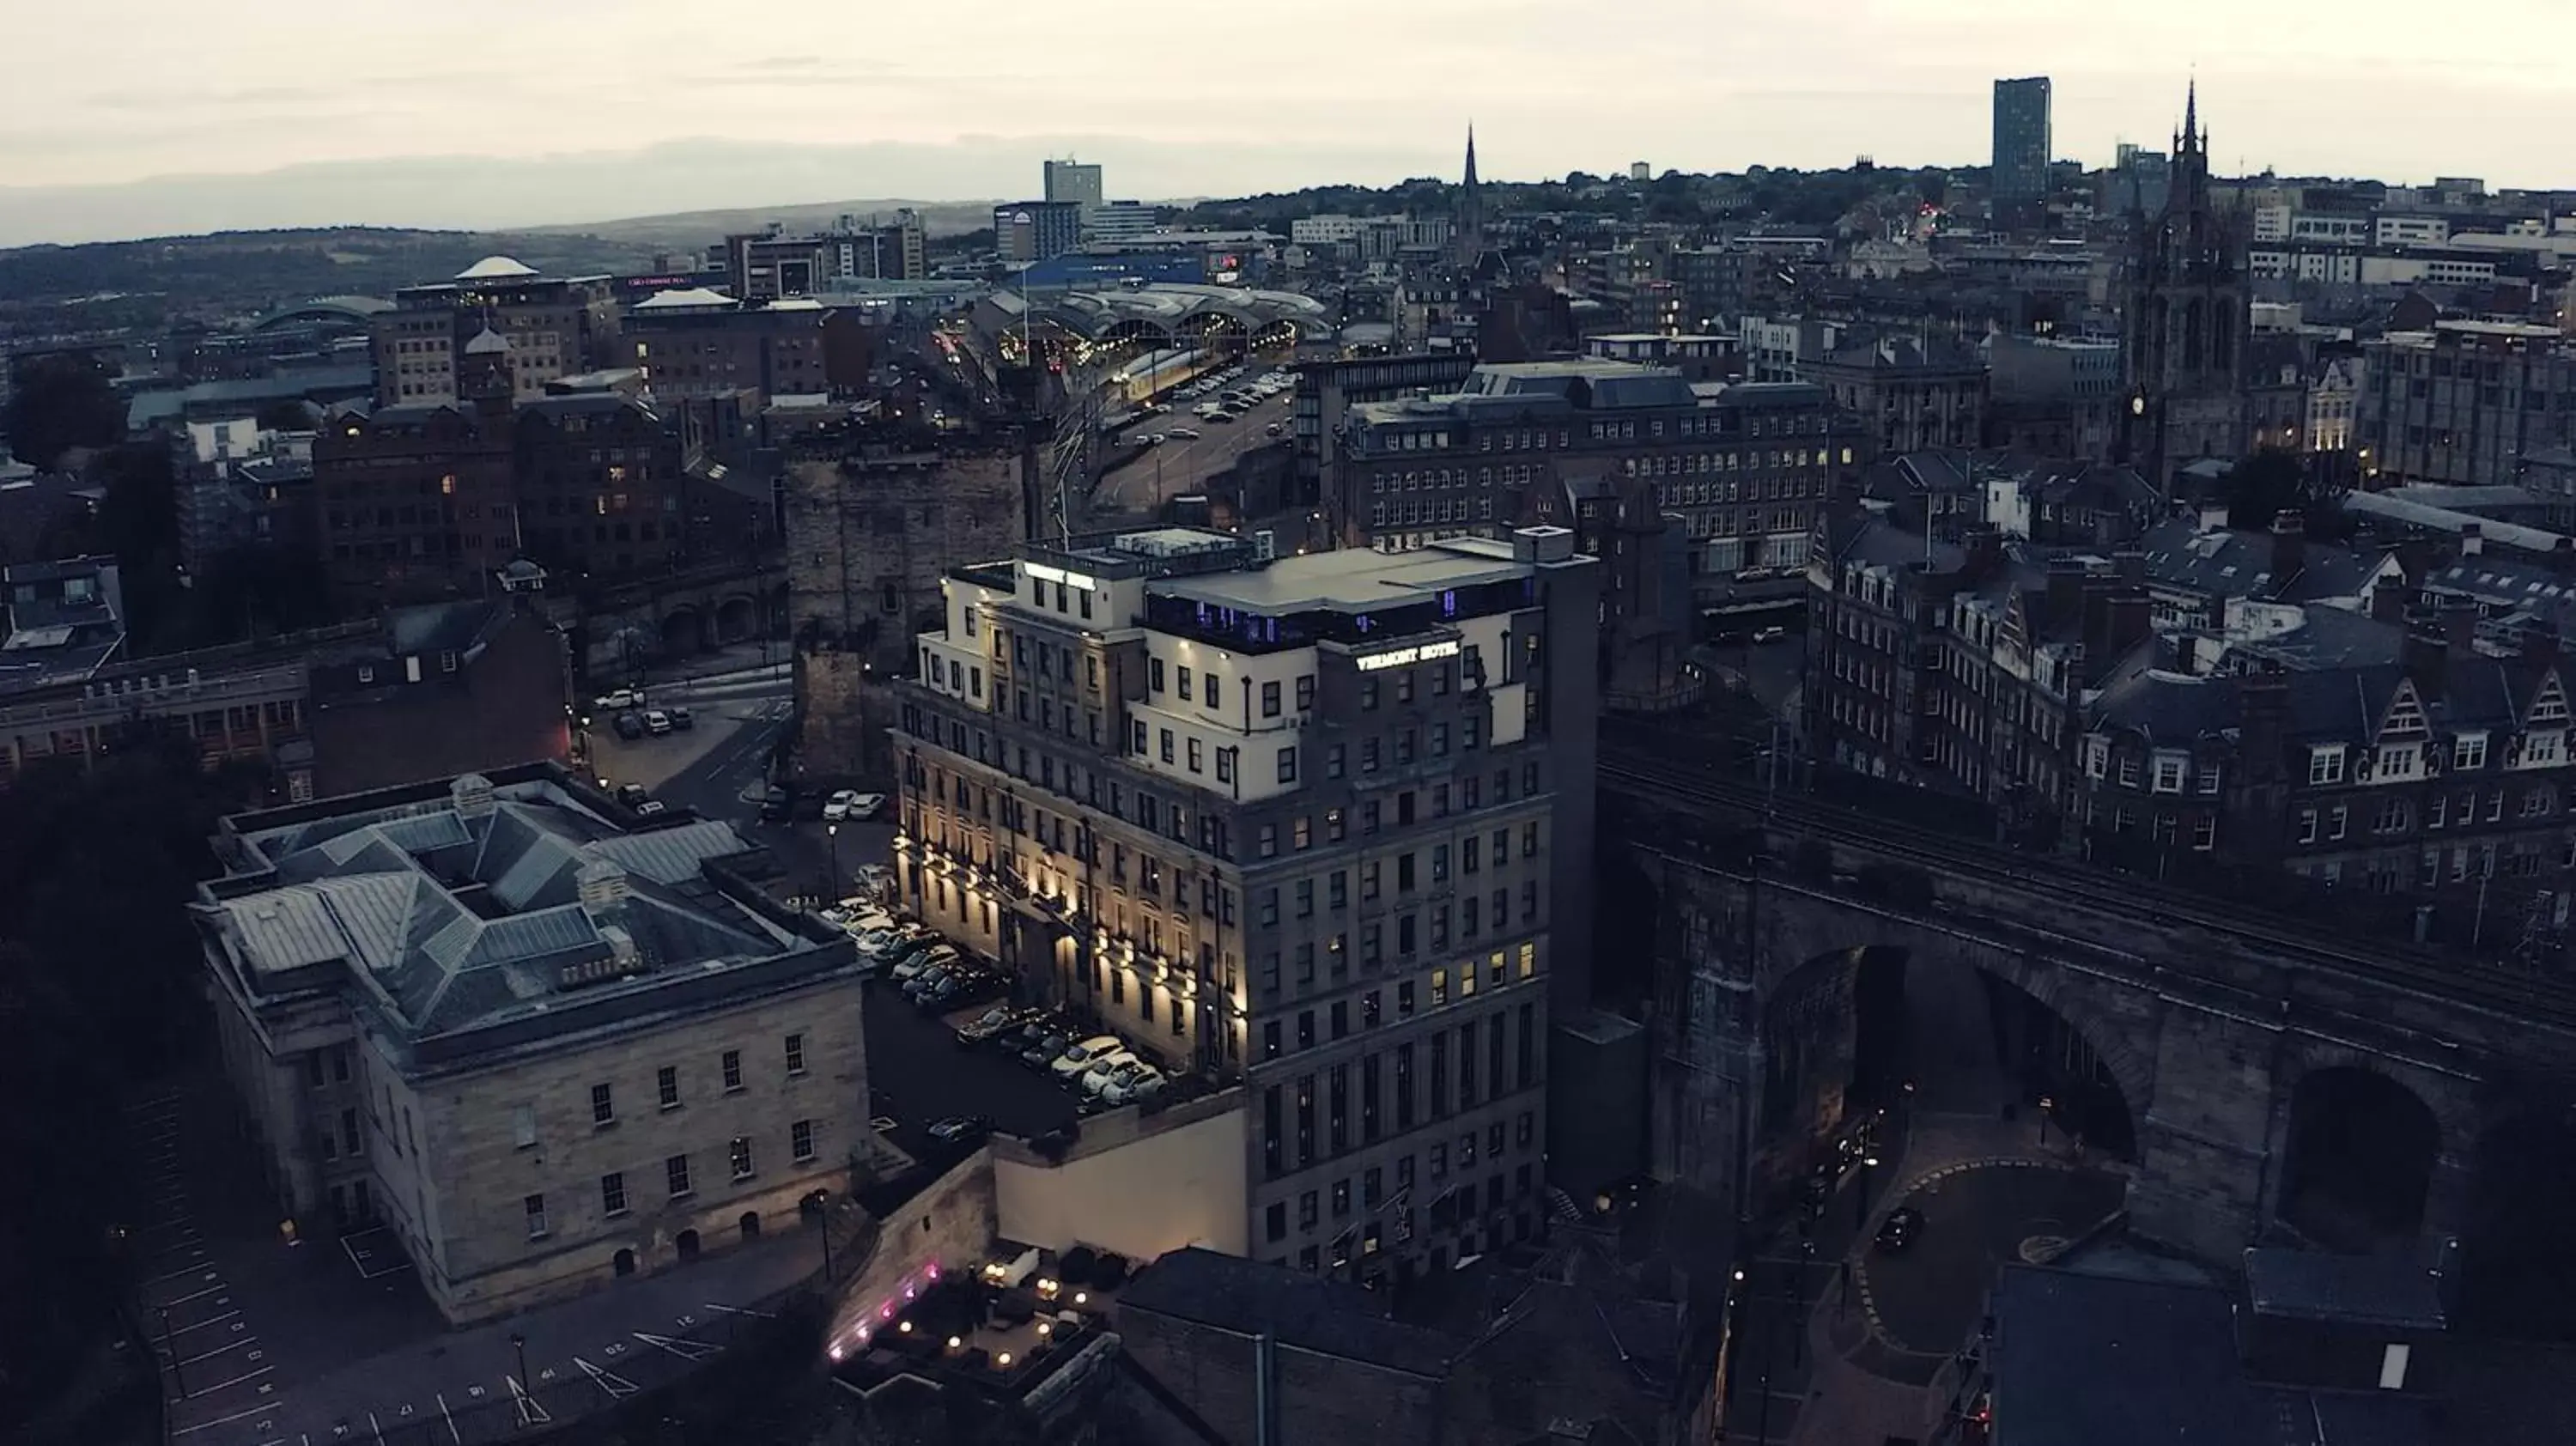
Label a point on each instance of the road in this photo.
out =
(1179, 468)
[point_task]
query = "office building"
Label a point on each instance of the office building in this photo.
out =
(416, 497)
(2464, 402)
(596, 486)
(2022, 142)
(542, 1047)
(1026, 231)
(1073, 183)
(552, 326)
(1327, 390)
(1321, 825)
(1741, 467)
(697, 343)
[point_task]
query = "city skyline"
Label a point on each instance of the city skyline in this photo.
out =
(297, 110)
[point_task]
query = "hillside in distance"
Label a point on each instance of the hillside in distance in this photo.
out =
(230, 275)
(696, 230)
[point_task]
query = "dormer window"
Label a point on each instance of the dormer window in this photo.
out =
(2128, 770)
(2544, 749)
(2469, 750)
(2325, 764)
(2398, 760)
(2169, 772)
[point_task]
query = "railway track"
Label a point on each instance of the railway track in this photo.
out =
(2404, 965)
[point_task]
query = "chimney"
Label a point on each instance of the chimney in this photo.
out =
(2473, 542)
(2460, 627)
(2426, 657)
(2065, 588)
(2388, 602)
(471, 796)
(602, 887)
(2212, 516)
(2263, 706)
(2289, 547)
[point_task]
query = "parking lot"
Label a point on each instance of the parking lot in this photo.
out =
(918, 1075)
(267, 1339)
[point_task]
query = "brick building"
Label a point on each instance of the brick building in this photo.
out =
(1321, 825)
(552, 327)
(543, 1050)
(435, 691)
(699, 343)
(597, 486)
(416, 498)
(2443, 777)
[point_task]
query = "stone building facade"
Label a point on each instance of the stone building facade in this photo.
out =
(1319, 824)
(541, 1050)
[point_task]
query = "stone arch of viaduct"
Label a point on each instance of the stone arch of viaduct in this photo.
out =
(2209, 1045)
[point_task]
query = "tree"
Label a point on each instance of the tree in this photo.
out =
(59, 401)
(2263, 486)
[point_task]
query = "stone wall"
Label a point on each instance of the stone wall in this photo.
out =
(1136, 1185)
(949, 1226)
(869, 539)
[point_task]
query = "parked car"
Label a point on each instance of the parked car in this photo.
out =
(1898, 1230)
(1770, 635)
(1186, 434)
(632, 795)
(681, 718)
(837, 807)
(630, 726)
(1128, 1083)
(1104, 1068)
(651, 808)
(619, 701)
(989, 1024)
(911, 965)
(1081, 1056)
(961, 1129)
(932, 976)
(657, 722)
(866, 806)
(1043, 1050)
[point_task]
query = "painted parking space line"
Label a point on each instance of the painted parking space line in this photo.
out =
(681, 1346)
(375, 1425)
(264, 1409)
(617, 1386)
(199, 1271)
(251, 1375)
(220, 1350)
(210, 1320)
(736, 1310)
(183, 1300)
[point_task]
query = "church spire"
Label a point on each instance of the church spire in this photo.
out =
(2191, 112)
(1468, 242)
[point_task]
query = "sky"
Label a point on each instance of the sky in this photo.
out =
(139, 117)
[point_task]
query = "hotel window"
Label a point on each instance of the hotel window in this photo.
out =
(795, 1054)
(534, 1207)
(603, 1108)
(741, 1157)
(800, 1139)
(732, 1070)
(612, 1193)
(666, 1084)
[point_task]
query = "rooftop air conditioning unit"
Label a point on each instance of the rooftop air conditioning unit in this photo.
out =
(1265, 546)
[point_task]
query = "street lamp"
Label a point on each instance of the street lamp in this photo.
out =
(823, 1226)
(519, 1348)
(2046, 1103)
(832, 837)
(1860, 1197)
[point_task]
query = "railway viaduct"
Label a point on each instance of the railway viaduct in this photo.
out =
(2232, 1039)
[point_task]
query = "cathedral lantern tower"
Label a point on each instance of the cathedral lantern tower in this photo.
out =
(2184, 320)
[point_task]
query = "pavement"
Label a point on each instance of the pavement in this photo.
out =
(726, 707)
(270, 1340)
(1179, 468)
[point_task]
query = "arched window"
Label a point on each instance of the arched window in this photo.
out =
(2194, 322)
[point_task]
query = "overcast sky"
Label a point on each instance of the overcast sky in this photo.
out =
(1180, 100)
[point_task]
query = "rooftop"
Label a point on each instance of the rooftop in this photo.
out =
(2111, 1362)
(480, 905)
(1305, 1312)
(1350, 580)
(497, 268)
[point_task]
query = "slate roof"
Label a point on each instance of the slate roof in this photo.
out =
(2325, 706)
(2115, 1362)
(2232, 563)
(1328, 1317)
(452, 918)
(2395, 1291)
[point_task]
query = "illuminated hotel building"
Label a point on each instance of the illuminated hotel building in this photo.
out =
(1319, 827)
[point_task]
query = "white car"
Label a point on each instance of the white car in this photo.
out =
(1089, 1052)
(1186, 434)
(1104, 1068)
(849, 803)
(1135, 1083)
(619, 701)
